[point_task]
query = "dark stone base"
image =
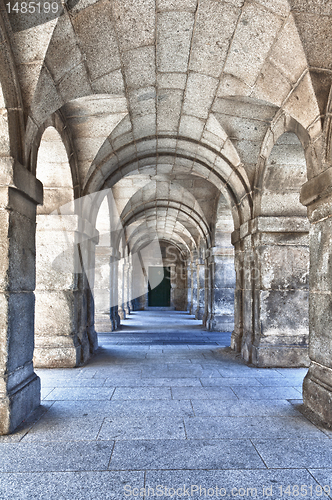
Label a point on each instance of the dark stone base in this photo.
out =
(280, 356)
(221, 323)
(18, 404)
(317, 393)
(57, 357)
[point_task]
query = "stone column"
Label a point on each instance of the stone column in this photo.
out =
(200, 311)
(246, 274)
(221, 265)
(121, 289)
(88, 241)
(126, 286)
(189, 288)
(102, 281)
(114, 309)
(237, 333)
(317, 385)
(194, 286)
(275, 291)
(64, 326)
(19, 385)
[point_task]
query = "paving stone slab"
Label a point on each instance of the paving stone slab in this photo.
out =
(284, 382)
(130, 393)
(202, 454)
(221, 393)
(108, 485)
(66, 456)
(256, 393)
(240, 370)
(153, 382)
(295, 453)
(227, 484)
(142, 428)
(324, 478)
(163, 408)
(79, 409)
(57, 428)
(249, 427)
(229, 382)
(77, 394)
(76, 382)
(242, 408)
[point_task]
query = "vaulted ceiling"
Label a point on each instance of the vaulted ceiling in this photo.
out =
(168, 102)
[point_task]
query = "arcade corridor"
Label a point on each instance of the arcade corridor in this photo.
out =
(166, 403)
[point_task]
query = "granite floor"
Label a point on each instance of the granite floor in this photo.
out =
(167, 410)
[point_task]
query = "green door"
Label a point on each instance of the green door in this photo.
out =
(159, 295)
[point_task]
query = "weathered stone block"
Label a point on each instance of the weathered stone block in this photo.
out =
(284, 267)
(16, 405)
(283, 312)
(57, 312)
(17, 320)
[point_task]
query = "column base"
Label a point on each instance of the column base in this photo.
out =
(18, 404)
(221, 323)
(122, 313)
(317, 391)
(280, 356)
(58, 352)
(236, 339)
(200, 313)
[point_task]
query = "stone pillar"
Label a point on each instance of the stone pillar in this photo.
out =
(121, 289)
(64, 326)
(114, 309)
(127, 286)
(221, 265)
(102, 280)
(88, 241)
(194, 286)
(200, 311)
(275, 291)
(19, 385)
(317, 385)
(246, 274)
(236, 339)
(189, 287)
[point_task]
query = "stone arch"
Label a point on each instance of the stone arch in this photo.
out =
(53, 170)
(57, 122)
(202, 160)
(147, 233)
(172, 206)
(282, 124)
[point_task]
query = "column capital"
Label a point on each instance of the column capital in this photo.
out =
(13, 175)
(263, 224)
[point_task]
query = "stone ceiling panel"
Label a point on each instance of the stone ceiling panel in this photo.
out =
(253, 39)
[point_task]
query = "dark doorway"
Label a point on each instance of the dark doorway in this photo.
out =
(159, 295)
